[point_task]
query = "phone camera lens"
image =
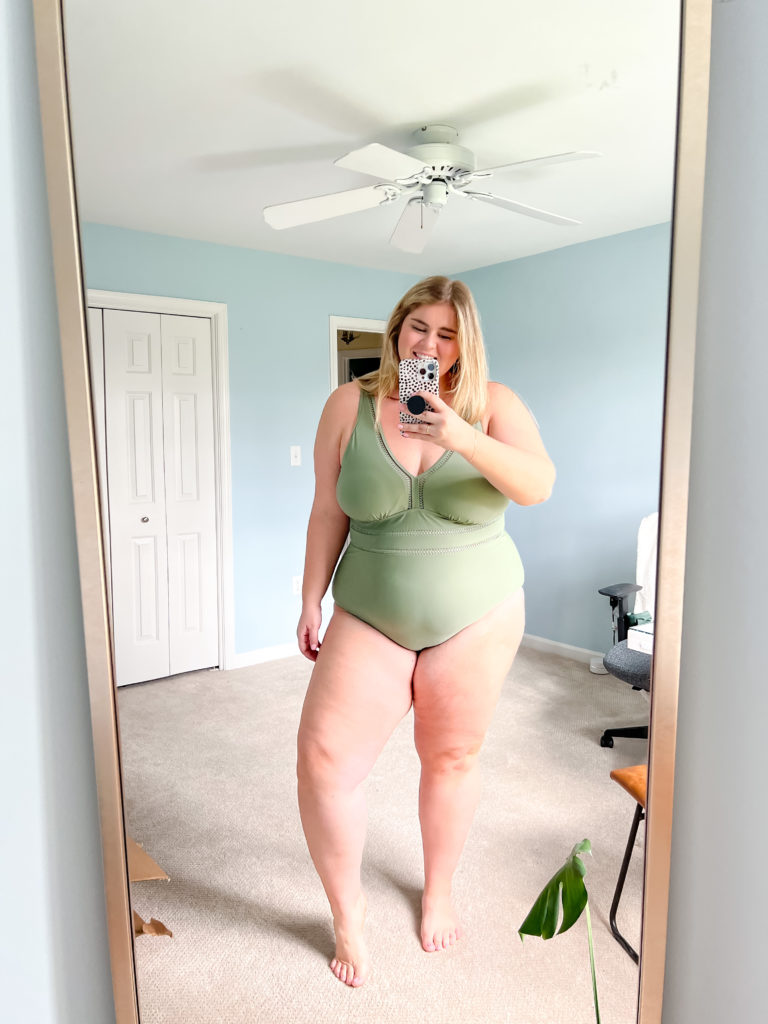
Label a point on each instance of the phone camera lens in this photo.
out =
(430, 366)
(422, 371)
(431, 376)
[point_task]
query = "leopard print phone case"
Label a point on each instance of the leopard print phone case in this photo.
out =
(421, 374)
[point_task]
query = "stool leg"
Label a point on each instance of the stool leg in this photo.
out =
(639, 816)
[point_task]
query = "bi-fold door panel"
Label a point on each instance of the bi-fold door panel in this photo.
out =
(190, 492)
(136, 481)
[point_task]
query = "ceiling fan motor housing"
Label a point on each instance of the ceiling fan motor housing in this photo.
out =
(438, 149)
(444, 159)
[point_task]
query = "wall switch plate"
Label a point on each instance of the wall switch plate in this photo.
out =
(296, 585)
(295, 455)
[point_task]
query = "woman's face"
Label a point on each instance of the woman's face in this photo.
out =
(431, 331)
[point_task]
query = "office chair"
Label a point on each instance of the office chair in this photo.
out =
(633, 667)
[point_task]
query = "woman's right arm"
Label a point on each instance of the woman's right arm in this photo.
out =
(328, 526)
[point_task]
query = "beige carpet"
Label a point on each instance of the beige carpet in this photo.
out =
(210, 793)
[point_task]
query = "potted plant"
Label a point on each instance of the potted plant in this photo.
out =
(567, 889)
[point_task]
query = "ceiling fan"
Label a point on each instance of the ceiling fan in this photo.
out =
(435, 168)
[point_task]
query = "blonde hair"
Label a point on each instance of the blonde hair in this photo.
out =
(468, 377)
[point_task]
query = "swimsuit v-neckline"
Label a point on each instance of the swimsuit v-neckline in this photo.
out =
(412, 476)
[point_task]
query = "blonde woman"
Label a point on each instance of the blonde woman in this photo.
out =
(429, 607)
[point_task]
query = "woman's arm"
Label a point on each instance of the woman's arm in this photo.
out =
(328, 526)
(511, 455)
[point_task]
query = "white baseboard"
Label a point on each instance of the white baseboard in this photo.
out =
(540, 643)
(262, 654)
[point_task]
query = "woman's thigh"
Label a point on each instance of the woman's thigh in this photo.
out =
(457, 684)
(359, 690)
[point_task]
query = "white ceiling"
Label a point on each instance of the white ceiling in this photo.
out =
(190, 116)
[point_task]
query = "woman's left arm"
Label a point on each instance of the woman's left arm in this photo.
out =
(511, 455)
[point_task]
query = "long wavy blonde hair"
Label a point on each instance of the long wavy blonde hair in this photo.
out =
(468, 378)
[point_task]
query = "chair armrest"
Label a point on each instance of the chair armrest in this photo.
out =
(620, 590)
(619, 595)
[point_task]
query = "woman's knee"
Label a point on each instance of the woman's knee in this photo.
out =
(322, 762)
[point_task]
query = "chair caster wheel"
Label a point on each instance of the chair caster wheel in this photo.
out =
(606, 741)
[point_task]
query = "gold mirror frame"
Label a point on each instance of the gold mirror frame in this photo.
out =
(676, 439)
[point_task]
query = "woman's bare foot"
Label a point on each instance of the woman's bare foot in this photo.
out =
(351, 963)
(440, 926)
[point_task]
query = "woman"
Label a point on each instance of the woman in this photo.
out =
(429, 608)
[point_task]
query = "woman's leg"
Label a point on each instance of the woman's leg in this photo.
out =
(360, 689)
(456, 686)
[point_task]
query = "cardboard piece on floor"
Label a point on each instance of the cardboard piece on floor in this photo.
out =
(141, 867)
(151, 927)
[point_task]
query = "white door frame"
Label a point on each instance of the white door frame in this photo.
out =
(348, 323)
(216, 312)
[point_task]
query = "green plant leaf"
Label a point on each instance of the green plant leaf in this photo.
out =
(568, 885)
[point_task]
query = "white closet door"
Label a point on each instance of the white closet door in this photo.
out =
(136, 481)
(190, 489)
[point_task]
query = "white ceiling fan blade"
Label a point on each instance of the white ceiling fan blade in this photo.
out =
(415, 226)
(307, 211)
(381, 162)
(555, 158)
(510, 204)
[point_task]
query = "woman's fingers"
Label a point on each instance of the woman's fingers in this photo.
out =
(434, 400)
(307, 635)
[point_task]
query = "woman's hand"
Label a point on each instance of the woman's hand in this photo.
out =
(443, 427)
(308, 631)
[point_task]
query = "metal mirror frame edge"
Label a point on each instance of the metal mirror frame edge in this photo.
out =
(676, 440)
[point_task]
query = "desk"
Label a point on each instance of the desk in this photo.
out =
(640, 638)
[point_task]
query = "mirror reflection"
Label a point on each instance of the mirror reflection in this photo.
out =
(217, 333)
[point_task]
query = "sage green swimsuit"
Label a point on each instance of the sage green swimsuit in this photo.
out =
(427, 554)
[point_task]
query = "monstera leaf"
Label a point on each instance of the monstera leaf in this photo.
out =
(566, 886)
(568, 882)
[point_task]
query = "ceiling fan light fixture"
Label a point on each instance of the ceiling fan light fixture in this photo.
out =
(435, 193)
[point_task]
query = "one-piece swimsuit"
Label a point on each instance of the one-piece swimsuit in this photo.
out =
(428, 555)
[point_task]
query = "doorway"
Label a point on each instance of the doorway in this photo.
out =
(355, 347)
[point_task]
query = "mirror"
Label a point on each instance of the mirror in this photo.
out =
(220, 115)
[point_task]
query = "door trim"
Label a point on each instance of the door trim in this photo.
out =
(348, 323)
(216, 312)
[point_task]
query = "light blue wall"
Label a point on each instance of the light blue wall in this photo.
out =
(278, 309)
(54, 957)
(580, 334)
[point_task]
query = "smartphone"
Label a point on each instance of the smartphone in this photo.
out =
(420, 374)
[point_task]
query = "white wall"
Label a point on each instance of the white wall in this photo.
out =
(716, 959)
(53, 954)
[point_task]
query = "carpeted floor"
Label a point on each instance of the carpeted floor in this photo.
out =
(210, 793)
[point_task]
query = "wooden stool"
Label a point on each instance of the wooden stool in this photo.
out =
(635, 781)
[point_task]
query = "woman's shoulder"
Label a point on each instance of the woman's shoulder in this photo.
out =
(342, 403)
(499, 396)
(506, 405)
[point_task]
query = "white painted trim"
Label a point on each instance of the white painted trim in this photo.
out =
(262, 654)
(540, 643)
(216, 312)
(348, 323)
